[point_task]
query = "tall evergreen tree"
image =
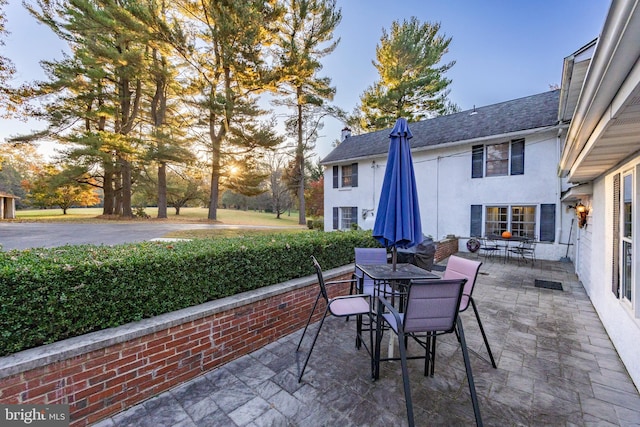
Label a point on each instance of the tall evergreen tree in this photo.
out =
(412, 83)
(98, 90)
(306, 35)
(167, 141)
(7, 69)
(229, 59)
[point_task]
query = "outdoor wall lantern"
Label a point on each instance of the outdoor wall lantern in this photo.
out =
(581, 213)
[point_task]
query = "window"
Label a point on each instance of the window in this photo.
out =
(496, 220)
(346, 176)
(497, 159)
(520, 220)
(344, 217)
(502, 159)
(523, 221)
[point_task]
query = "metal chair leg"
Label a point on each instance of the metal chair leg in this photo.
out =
(484, 336)
(313, 310)
(467, 366)
(405, 380)
(312, 344)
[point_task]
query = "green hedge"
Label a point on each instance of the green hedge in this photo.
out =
(47, 295)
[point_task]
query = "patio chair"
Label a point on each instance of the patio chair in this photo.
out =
(369, 287)
(341, 306)
(431, 310)
(488, 247)
(367, 256)
(525, 251)
(459, 268)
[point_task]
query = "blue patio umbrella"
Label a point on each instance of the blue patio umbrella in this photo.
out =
(398, 217)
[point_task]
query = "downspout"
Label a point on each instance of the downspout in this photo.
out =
(559, 210)
(438, 198)
(374, 166)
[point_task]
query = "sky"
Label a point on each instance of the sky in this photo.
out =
(503, 49)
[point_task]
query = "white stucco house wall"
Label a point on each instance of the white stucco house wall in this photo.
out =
(601, 158)
(490, 169)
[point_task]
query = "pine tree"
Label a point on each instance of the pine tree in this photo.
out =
(412, 83)
(228, 58)
(306, 35)
(167, 141)
(7, 69)
(97, 91)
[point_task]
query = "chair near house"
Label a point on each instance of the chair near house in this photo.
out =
(525, 251)
(432, 309)
(342, 306)
(488, 247)
(459, 268)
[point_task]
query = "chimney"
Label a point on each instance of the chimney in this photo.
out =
(346, 133)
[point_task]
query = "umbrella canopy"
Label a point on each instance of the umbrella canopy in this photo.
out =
(398, 216)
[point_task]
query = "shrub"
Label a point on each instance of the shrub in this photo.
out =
(47, 295)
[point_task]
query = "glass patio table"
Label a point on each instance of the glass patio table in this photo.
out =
(391, 283)
(398, 279)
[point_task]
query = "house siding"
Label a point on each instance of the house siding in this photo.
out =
(446, 189)
(594, 252)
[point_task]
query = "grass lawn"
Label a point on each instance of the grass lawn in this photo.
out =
(247, 219)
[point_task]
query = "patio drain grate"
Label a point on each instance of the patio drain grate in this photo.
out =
(549, 284)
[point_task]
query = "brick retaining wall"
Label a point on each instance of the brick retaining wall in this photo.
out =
(445, 248)
(105, 372)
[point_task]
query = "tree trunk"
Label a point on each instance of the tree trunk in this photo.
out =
(107, 188)
(117, 202)
(216, 141)
(213, 203)
(302, 220)
(127, 212)
(158, 113)
(162, 190)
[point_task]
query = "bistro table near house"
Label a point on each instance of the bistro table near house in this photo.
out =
(504, 243)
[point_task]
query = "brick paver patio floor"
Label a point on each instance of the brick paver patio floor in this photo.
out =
(556, 367)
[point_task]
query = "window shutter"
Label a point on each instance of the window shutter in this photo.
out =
(615, 282)
(517, 157)
(335, 218)
(354, 215)
(476, 221)
(354, 175)
(477, 159)
(335, 177)
(548, 222)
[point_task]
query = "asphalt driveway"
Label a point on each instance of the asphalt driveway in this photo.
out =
(25, 235)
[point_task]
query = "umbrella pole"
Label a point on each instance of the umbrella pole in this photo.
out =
(394, 257)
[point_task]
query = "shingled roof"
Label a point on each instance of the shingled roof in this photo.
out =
(531, 112)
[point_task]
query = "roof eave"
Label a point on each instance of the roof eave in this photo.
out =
(616, 52)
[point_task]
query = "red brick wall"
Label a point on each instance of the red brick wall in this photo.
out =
(106, 381)
(445, 248)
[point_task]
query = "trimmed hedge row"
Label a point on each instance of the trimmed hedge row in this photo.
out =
(47, 295)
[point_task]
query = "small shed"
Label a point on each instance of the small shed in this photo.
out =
(7, 206)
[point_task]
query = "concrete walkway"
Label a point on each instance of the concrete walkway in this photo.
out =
(556, 367)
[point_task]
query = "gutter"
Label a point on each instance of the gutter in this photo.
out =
(616, 51)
